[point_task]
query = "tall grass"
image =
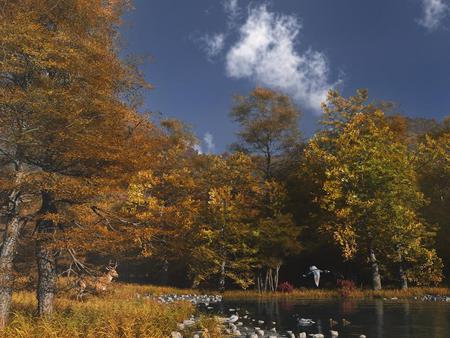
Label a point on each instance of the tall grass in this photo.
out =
(117, 314)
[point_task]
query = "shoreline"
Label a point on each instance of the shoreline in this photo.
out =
(336, 294)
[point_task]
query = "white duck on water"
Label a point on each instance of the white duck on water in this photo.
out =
(316, 273)
(305, 322)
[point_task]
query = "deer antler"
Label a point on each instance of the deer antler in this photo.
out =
(111, 266)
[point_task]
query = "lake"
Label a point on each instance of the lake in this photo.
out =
(373, 318)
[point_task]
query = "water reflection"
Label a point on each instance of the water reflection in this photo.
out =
(376, 318)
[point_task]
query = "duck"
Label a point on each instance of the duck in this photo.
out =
(260, 332)
(345, 322)
(305, 322)
(334, 333)
(333, 322)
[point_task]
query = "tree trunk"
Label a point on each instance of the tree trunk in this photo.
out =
(277, 274)
(266, 281)
(7, 253)
(270, 280)
(46, 277)
(401, 272)
(46, 261)
(222, 277)
(8, 249)
(258, 281)
(376, 279)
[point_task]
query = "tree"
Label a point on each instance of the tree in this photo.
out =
(225, 245)
(278, 235)
(164, 197)
(269, 131)
(269, 125)
(370, 190)
(433, 166)
(64, 117)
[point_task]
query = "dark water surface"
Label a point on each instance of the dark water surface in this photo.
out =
(374, 318)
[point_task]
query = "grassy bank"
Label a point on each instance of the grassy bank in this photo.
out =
(122, 313)
(116, 314)
(355, 294)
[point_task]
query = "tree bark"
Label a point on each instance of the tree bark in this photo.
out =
(401, 272)
(7, 253)
(46, 277)
(8, 249)
(46, 259)
(376, 278)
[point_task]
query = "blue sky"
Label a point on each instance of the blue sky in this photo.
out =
(205, 51)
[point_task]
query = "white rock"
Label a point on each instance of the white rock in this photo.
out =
(334, 333)
(176, 334)
(233, 319)
(188, 322)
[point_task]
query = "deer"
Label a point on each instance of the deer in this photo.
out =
(96, 285)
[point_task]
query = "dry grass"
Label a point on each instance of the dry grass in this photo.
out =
(121, 314)
(355, 294)
(117, 314)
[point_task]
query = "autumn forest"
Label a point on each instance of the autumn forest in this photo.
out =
(88, 177)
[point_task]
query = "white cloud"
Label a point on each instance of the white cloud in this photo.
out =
(434, 11)
(198, 148)
(266, 53)
(207, 142)
(232, 9)
(208, 139)
(213, 44)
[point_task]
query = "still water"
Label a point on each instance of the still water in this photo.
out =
(373, 318)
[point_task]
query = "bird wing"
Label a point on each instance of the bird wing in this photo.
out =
(317, 277)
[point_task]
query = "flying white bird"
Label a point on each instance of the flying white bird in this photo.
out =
(316, 273)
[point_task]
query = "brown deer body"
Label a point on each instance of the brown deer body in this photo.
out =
(96, 285)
